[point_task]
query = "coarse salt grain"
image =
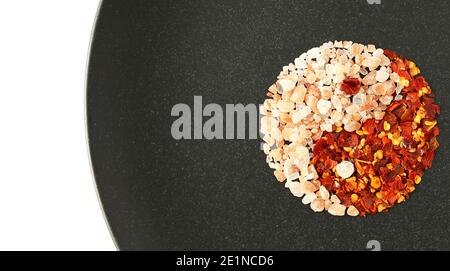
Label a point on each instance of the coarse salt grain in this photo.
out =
(285, 106)
(345, 169)
(335, 199)
(318, 205)
(324, 194)
(352, 126)
(386, 100)
(382, 75)
(308, 198)
(359, 99)
(337, 209)
(323, 106)
(352, 211)
(307, 187)
(296, 190)
(285, 85)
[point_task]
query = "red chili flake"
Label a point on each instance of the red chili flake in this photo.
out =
(347, 139)
(391, 196)
(413, 97)
(319, 147)
(370, 126)
(407, 129)
(390, 118)
(390, 54)
(434, 144)
(330, 139)
(427, 159)
(432, 110)
(327, 181)
(330, 163)
(420, 82)
(351, 86)
(394, 105)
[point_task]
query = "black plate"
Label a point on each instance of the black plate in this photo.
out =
(164, 194)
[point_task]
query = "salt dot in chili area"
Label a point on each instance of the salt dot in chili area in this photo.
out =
(350, 128)
(345, 169)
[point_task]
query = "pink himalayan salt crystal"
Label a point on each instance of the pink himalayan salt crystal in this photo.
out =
(386, 100)
(311, 78)
(354, 70)
(326, 93)
(286, 133)
(345, 169)
(335, 199)
(337, 209)
(301, 157)
(317, 119)
(324, 194)
(338, 44)
(311, 101)
(370, 78)
(296, 190)
(395, 77)
(356, 117)
(356, 49)
(382, 75)
(336, 102)
(307, 187)
(385, 61)
(308, 198)
(371, 48)
(280, 176)
(352, 211)
(302, 112)
(266, 148)
(369, 105)
(378, 115)
(320, 74)
(359, 59)
(379, 89)
(318, 205)
(345, 101)
(390, 87)
(363, 71)
(347, 44)
(313, 170)
(337, 116)
(285, 106)
(372, 63)
(378, 52)
(298, 95)
(323, 106)
(359, 99)
(352, 126)
(352, 109)
(285, 84)
(327, 127)
(317, 184)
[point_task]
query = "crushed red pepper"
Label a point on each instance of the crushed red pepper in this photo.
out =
(351, 86)
(390, 155)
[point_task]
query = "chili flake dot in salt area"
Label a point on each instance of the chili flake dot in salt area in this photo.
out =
(350, 128)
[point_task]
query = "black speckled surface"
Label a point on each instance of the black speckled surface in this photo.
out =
(163, 194)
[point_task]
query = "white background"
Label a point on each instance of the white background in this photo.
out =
(48, 199)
